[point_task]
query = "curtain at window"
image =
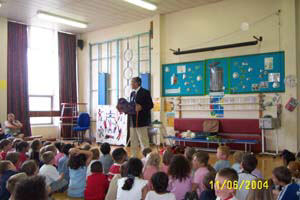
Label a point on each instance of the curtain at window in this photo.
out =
(67, 75)
(17, 75)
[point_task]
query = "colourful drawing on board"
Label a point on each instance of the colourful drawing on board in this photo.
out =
(216, 106)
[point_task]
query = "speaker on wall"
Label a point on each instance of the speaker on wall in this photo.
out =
(80, 44)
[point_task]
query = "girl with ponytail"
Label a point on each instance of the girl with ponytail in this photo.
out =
(131, 187)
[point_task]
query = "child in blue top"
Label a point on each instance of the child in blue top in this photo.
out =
(282, 176)
(63, 162)
(78, 162)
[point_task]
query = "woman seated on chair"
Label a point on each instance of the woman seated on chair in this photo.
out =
(13, 127)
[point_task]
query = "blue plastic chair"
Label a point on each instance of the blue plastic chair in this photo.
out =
(83, 124)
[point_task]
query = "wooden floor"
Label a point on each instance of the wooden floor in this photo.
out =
(265, 163)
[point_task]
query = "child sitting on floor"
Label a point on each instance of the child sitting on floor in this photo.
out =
(237, 157)
(131, 187)
(5, 146)
(145, 152)
(222, 156)
(36, 145)
(7, 169)
(294, 167)
(208, 181)
(63, 162)
(119, 155)
(30, 168)
(106, 159)
(78, 162)
(53, 179)
(201, 168)
(166, 160)
(249, 163)
(179, 173)
(22, 148)
(160, 182)
(14, 158)
(96, 184)
(152, 165)
(225, 191)
(283, 177)
(95, 157)
(59, 146)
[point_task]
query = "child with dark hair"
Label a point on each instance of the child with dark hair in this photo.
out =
(287, 157)
(145, 152)
(189, 153)
(226, 191)
(249, 163)
(30, 168)
(31, 188)
(78, 162)
(208, 193)
(14, 158)
(282, 176)
(5, 146)
(113, 185)
(22, 148)
(119, 155)
(59, 146)
(96, 154)
(55, 180)
(36, 145)
(7, 169)
(96, 184)
(160, 182)
(106, 159)
(63, 167)
(180, 181)
(166, 160)
(131, 187)
(202, 168)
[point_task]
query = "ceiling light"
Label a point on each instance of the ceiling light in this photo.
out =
(61, 19)
(0, 4)
(143, 4)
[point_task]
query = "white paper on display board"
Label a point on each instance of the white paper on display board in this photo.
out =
(111, 125)
(181, 69)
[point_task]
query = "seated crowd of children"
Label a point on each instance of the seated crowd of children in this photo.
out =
(36, 170)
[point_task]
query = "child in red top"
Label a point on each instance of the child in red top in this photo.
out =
(22, 148)
(5, 146)
(97, 183)
(119, 155)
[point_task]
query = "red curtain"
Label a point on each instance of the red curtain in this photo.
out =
(67, 75)
(17, 75)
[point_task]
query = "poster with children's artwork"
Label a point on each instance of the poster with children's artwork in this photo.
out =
(111, 126)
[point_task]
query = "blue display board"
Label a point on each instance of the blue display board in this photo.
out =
(102, 88)
(232, 75)
(217, 66)
(257, 73)
(184, 79)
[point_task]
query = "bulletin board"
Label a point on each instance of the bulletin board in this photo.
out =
(184, 79)
(255, 73)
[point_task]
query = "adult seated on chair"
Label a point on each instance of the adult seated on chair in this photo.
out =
(13, 127)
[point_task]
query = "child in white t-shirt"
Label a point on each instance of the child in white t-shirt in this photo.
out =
(53, 179)
(160, 182)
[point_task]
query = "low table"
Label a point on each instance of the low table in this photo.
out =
(222, 141)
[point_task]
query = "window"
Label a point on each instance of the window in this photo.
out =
(43, 73)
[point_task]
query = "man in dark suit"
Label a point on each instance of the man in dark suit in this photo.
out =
(141, 120)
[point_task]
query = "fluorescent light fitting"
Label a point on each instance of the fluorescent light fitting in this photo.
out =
(143, 4)
(61, 19)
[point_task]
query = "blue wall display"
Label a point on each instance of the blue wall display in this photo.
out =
(184, 79)
(257, 73)
(146, 81)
